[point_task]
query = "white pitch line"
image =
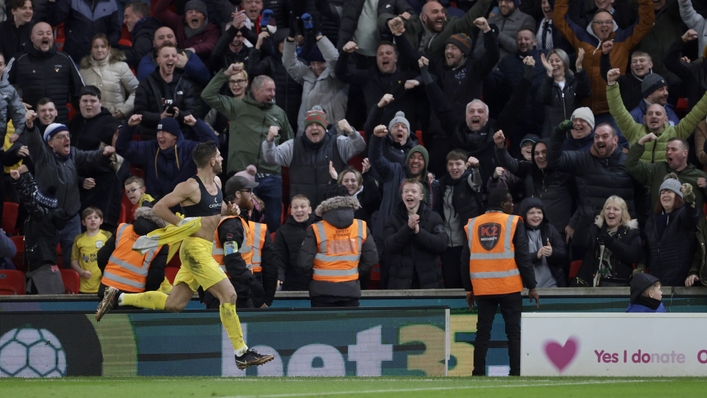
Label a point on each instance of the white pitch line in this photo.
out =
(313, 394)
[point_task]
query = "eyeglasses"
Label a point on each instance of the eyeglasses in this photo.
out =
(239, 82)
(603, 22)
(133, 190)
(62, 137)
(247, 190)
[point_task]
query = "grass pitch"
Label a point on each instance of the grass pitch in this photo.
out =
(388, 387)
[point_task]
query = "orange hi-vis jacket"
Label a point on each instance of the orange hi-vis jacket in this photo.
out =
(250, 251)
(492, 265)
(127, 269)
(339, 251)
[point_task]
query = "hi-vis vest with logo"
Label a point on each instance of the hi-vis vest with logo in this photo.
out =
(250, 251)
(492, 266)
(127, 269)
(338, 251)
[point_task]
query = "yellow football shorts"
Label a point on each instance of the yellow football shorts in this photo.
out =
(198, 265)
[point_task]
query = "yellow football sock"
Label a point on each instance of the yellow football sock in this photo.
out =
(151, 300)
(232, 324)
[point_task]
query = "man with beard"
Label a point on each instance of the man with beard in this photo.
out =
(201, 200)
(193, 31)
(429, 32)
(187, 61)
(655, 91)
(460, 79)
(656, 120)
(167, 159)
(600, 30)
(92, 128)
(311, 155)
(165, 93)
(599, 173)
(46, 72)
(244, 250)
(510, 21)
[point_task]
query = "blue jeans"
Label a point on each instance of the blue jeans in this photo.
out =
(66, 238)
(269, 191)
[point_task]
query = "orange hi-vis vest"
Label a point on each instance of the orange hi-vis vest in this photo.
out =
(492, 265)
(339, 251)
(250, 251)
(127, 269)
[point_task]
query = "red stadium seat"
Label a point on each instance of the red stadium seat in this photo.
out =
(375, 282)
(418, 134)
(72, 280)
(19, 259)
(574, 268)
(12, 282)
(9, 217)
(59, 256)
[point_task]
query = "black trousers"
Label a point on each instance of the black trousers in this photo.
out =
(452, 267)
(511, 305)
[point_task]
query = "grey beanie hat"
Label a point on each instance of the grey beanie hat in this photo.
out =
(672, 185)
(399, 118)
(196, 5)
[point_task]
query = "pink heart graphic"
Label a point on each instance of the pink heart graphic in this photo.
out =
(562, 355)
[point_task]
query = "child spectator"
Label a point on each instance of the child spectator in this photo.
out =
(288, 240)
(646, 295)
(136, 192)
(545, 244)
(85, 249)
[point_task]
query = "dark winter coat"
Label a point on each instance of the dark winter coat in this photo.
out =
(596, 178)
(288, 240)
(670, 256)
(548, 233)
(351, 12)
(150, 99)
(554, 188)
(163, 169)
(309, 169)
(413, 256)
(82, 20)
(625, 248)
(467, 203)
(142, 35)
(15, 41)
(50, 74)
(337, 211)
(561, 102)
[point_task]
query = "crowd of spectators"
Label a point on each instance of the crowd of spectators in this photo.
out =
(590, 112)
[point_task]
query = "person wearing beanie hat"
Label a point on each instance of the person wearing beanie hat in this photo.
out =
(585, 114)
(399, 128)
(485, 236)
(646, 295)
(315, 157)
(193, 31)
(654, 90)
(655, 121)
(670, 232)
(456, 50)
(58, 163)
(319, 85)
(526, 145)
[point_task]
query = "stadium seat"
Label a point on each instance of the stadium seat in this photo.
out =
(418, 134)
(175, 262)
(19, 259)
(59, 256)
(12, 282)
(72, 280)
(574, 268)
(9, 217)
(375, 282)
(170, 273)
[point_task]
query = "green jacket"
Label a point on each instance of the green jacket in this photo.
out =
(652, 174)
(634, 131)
(250, 121)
